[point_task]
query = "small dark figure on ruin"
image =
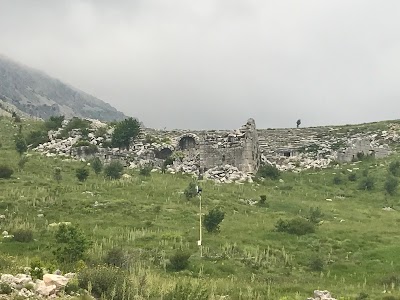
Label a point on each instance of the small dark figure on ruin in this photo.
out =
(298, 123)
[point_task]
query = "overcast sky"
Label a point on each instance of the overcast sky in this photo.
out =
(216, 63)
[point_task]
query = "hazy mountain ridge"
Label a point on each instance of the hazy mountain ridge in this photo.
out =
(40, 95)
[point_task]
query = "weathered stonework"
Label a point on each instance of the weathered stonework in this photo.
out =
(228, 156)
(239, 149)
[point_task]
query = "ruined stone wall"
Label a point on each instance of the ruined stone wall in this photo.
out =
(239, 148)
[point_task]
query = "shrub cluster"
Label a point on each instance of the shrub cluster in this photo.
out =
(5, 172)
(297, 226)
(114, 170)
(268, 171)
(106, 282)
(190, 191)
(179, 260)
(213, 219)
(23, 235)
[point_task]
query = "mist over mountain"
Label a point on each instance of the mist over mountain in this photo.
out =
(37, 94)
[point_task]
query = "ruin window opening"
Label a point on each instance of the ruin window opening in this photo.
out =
(286, 153)
(223, 158)
(187, 142)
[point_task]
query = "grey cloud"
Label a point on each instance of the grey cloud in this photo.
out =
(213, 64)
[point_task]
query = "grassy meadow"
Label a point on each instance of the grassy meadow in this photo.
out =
(355, 248)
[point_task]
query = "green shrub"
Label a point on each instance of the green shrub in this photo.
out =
(191, 190)
(269, 171)
(316, 264)
(179, 260)
(82, 174)
(20, 144)
(394, 168)
(337, 179)
(106, 282)
(35, 138)
(352, 177)
(23, 235)
(114, 170)
(315, 215)
(263, 201)
(5, 288)
(391, 185)
(212, 220)
(5, 172)
(54, 122)
(297, 226)
(71, 244)
(37, 269)
(72, 287)
(366, 183)
(116, 257)
(96, 165)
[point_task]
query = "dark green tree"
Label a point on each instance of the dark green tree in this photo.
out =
(391, 185)
(71, 244)
(191, 190)
(114, 170)
(125, 133)
(213, 219)
(82, 174)
(54, 122)
(20, 144)
(97, 165)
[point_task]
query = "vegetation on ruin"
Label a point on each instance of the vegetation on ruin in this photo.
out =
(138, 236)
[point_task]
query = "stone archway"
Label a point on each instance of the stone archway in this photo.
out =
(187, 142)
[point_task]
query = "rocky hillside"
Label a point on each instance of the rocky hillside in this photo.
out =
(40, 95)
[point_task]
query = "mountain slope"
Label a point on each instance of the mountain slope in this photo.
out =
(40, 95)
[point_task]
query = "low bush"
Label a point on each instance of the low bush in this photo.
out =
(268, 171)
(394, 168)
(82, 174)
(5, 288)
(114, 170)
(116, 257)
(316, 264)
(315, 215)
(106, 282)
(179, 261)
(297, 226)
(6, 172)
(213, 219)
(352, 177)
(191, 190)
(391, 185)
(337, 179)
(366, 183)
(23, 235)
(96, 165)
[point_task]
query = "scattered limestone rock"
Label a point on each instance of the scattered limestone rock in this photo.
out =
(322, 295)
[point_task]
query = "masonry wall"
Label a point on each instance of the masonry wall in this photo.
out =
(210, 156)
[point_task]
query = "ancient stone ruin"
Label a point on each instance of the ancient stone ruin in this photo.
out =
(229, 155)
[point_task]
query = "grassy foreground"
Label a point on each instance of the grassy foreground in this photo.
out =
(355, 249)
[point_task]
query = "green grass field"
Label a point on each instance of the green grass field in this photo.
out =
(356, 246)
